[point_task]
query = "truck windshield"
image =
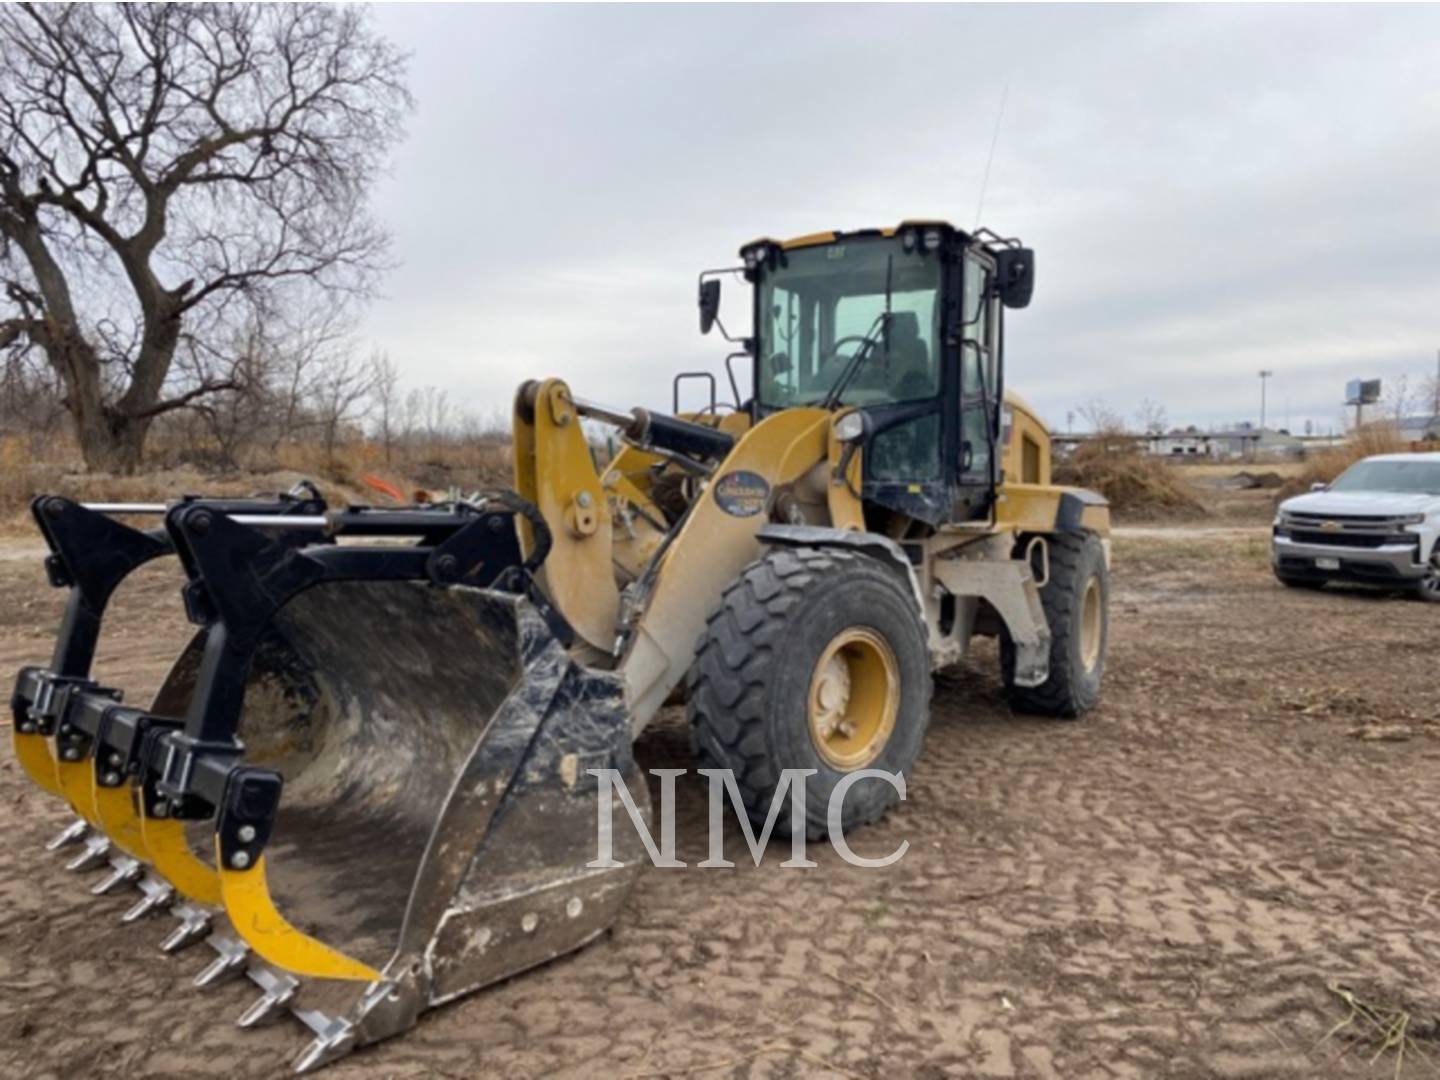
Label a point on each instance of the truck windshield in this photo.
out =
(1410, 477)
(816, 310)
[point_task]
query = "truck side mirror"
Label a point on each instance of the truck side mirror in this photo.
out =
(1015, 276)
(1319, 487)
(709, 303)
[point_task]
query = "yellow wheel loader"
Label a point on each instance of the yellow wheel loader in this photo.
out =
(370, 783)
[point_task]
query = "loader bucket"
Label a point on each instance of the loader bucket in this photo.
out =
(366, 780)
(437, 817)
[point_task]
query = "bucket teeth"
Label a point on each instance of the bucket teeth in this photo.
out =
(229, 959)
(95, 851)
(154, 894)
(123, 869)
(334, 1038)
(194, 925)
(71, 834)
(278, 990)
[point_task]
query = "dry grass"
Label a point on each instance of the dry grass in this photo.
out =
(1222, 470)
(26, 472)
(1181, 548)
(1138, 485)
(1384, 1028)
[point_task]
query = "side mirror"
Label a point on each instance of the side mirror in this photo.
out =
(709, 303)
(1319, 487)
(1015, 276)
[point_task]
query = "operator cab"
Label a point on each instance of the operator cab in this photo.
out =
(902, 329)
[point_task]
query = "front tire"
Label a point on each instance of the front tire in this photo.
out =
(816, 659)
(1428, 587)
(1076, 599)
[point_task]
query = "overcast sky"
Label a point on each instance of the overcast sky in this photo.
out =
(1209, 191)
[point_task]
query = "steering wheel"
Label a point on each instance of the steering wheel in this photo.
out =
(833, 353)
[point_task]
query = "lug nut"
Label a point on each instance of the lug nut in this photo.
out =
(162, 809)
(116, 761)
(72, 755)
(240, 860)
(112, 779)
(246, 833)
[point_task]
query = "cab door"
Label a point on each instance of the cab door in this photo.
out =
(974, 403)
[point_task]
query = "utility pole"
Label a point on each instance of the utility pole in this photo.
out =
(1265, 373)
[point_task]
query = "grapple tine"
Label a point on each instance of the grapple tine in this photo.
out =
(155, 894)
(123, 869)
(95, 852)
(73, 833)
(278, 990)
(194, 925)
(334, 1038)
(230, 959)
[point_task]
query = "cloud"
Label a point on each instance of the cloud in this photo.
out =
(1210, 190)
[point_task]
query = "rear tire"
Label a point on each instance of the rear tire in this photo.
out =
(1076, 599)
(807, 645)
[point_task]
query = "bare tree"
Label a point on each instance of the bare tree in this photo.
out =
(1399, 399)
(1151, 417)
(339, 397)
(385, 382)
(1100, 417)
(164, 170)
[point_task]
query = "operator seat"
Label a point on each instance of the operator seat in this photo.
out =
(910, 375)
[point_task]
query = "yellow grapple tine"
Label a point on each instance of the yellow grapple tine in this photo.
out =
(35, 755)
(77, 784)
(115, 813)
(169, 852)
(264, 929)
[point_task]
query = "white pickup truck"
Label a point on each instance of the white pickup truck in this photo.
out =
(1377, 524)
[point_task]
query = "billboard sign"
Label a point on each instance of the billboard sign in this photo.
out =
(1362, 391)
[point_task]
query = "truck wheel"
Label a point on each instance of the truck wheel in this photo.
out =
(1076, 600)
(816, 659)
(1428, 587)
(1291, 581)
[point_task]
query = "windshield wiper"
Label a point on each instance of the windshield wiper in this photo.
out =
(879, 329)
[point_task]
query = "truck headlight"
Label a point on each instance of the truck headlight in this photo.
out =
(1410, 519)
(850, 426)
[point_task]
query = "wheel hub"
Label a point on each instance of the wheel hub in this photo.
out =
(1431, 581)
(854, 698)
(1092, 624)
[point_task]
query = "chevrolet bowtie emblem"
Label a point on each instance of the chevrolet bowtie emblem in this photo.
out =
(1331, 526)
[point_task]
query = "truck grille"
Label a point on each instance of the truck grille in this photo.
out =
(1346, 530)
(1346, 539)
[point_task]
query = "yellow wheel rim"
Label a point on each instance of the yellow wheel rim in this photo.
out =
(1092, 624)
(854, 698)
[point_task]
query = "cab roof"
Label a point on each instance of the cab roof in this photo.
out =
(818, 238)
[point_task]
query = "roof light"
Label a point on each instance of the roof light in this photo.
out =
(932, 239)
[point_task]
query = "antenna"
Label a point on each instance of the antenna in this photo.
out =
(994, 138)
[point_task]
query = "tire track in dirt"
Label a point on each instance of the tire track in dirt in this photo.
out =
(1161, 890)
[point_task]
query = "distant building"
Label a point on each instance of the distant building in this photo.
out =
(1239, 443)
(1419, 428)
(1242, 442)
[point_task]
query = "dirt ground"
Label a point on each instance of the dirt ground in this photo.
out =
(1168, 888)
